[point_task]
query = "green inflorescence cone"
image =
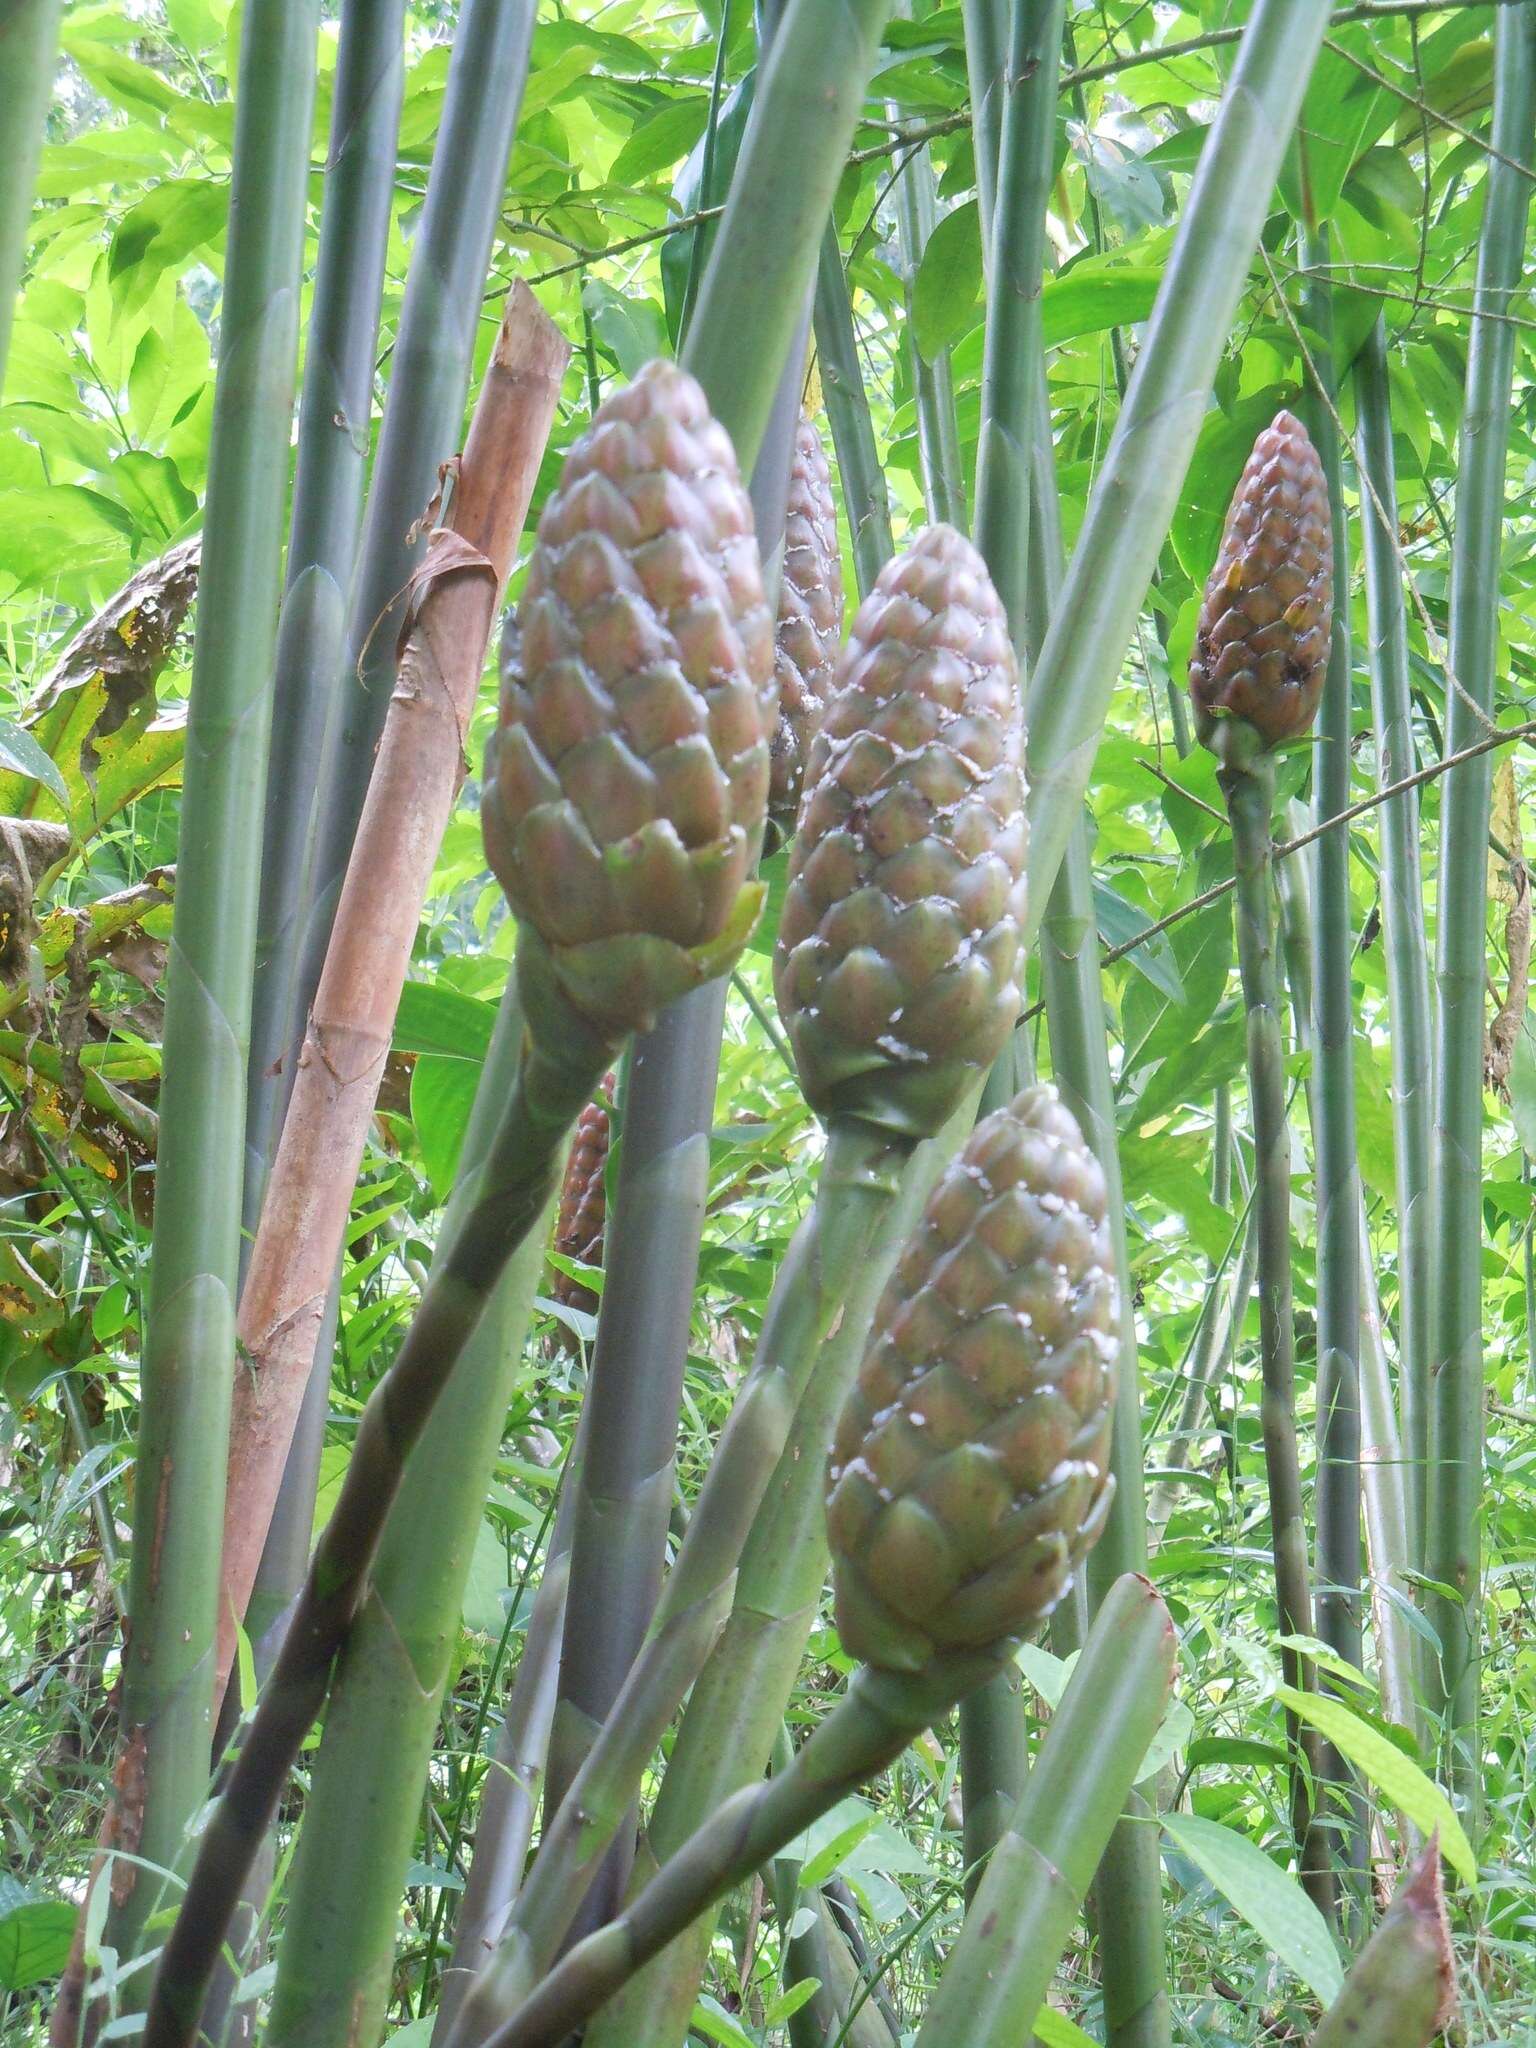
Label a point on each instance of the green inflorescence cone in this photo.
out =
(627, 782)
(970, 1468)
(1261, 647)
(810, 625)
(898, 959)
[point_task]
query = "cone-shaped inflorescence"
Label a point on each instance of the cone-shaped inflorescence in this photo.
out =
(1261, 647)
(969, 1472)
(898, 959)
(583, 1210)
(810, 618)
(627, 783)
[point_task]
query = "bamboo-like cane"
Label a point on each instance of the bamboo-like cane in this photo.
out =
(1402, 911)
(334, 412)
(998, 1973)
(419, 768)
(865, 497)
(189, 1337)
(1249, 793)
(335, 1960)
(1454, 1492)
(29, 41)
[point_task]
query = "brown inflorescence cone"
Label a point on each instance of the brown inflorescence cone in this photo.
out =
(627, 782)
(970, 1468)
(583, 1209)
(898, 957)
(810, 623)
(1261, 647)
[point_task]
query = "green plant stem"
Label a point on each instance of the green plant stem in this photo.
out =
(1454, 1494)
(827, 1284)
(655, 1227)
(1336, 1507)
(1402, 911)
(1001, 1967)
(988, 27)
(933, 383)
(1136, 491)
(1249, 794)
(430, 365)
(870, 1726)
(865, 499)
(562, 1063)
(189, 1333)
(29, 41)
(1220, 1320)
(1402, 1984)
(334, 414)
(513, 1783)
(737, 1705)
(336, 1959)
(1012, 453)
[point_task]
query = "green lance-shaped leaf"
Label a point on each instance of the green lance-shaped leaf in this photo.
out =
(1001, 1967)
(973, 1448)
(1401, 1992)
(1402, 910)
(189, 1334)
(29, 40)
(1135, 493)
(639, 580)
(1454, 1503)
(334, 413)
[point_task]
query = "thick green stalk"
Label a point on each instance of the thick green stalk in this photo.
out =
(870, 1726)
(933, 383)
(987, 30)
(1402, 911)
(624, 1485)
(827, 1285)
(1137, 489)
(189, 1336)
(1454, 1495)
(423, 419)
(727, 1734)
(853, 437)
(1382, 1469)
(808, 100)
(1335, 1164)
(29, 41)
(1013, 451)
(741, 346)
(1001, 1967)
(335, 1963)
(1249, 793)
(560, 1067)
(1402, 1987)
(334, 414)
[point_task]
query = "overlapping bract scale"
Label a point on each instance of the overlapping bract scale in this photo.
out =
(898, 957)
(627, 782)
(1261, 647)
(810, 621)
(969, 1471)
